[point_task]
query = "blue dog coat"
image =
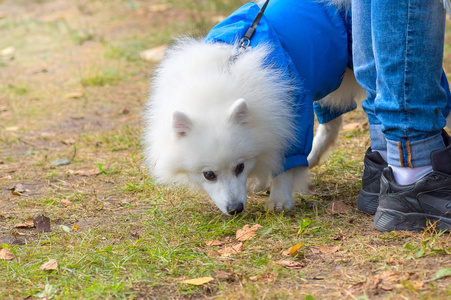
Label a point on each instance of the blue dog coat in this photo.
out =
(311, 43)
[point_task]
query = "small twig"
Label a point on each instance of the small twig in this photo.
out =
(75, 152)
(36, 145)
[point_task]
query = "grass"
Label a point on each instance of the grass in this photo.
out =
(117, 234)
(100, 78)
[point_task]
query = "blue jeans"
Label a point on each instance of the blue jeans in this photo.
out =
(398, 53)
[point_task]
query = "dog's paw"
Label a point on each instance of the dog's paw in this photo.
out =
(274, 204)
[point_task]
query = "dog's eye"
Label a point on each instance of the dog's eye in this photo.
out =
(210, 176)
(239, 169)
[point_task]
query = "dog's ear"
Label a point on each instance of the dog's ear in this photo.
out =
(181, 124)
(239, 113)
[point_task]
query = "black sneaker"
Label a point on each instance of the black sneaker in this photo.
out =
(373, 165)
(415, 206)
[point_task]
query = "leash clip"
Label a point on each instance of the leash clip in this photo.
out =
(246, 40)
(244, 43)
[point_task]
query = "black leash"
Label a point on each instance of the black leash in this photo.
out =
(246, 40)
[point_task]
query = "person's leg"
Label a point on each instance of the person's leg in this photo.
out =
(365, 68)
(408, 37)
(365, 72)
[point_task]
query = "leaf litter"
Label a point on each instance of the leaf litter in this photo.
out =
(6, 254)
(388, 280)
(291, 264)
(293, 250)
(50, 265)
(28, 223)
(324, 249)
(198, 281)
(231, 247)
(247, 232)
(66, 202)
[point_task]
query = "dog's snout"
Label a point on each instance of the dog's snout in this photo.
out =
(235, 208)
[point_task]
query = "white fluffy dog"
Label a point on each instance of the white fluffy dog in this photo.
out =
(224, 126)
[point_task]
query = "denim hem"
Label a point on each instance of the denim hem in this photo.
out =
(411, 154)
(378, 140)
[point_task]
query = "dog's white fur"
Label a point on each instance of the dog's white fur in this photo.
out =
(206, 114)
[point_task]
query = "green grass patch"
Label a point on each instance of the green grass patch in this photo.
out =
(100, 77)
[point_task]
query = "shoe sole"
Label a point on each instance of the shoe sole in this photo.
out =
(389, 220)
(368, 202)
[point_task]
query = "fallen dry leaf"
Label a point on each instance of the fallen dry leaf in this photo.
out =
(66, 202)
(18, 189)
(6, 254)
(154, 54)
(51, 265)
(232, 249)
(324, 249)
(28, 223)
(247, 232)
(215, 243)
(315, 250)
(387, 280)
(338, 207)
(292, 251)
(198, 281)
(339, 236)
(291, 264)
(418, 285)
(223, 275)
(15, 193)
(393, 261)
(15, 234)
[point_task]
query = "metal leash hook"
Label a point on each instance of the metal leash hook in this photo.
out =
(245, 42)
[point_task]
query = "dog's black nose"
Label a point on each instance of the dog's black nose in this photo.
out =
(236, 208)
